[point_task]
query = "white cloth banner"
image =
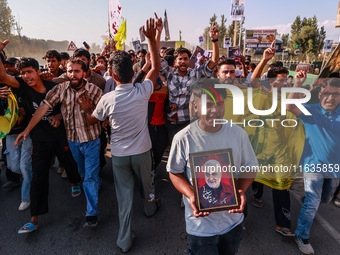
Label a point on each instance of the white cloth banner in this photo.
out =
(115, 16)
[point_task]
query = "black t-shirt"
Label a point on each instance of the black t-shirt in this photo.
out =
(43, 131)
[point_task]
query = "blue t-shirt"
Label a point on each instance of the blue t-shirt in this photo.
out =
(322, 144)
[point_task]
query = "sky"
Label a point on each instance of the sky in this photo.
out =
(86, 20)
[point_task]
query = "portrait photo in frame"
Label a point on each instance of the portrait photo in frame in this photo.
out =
(213, 180)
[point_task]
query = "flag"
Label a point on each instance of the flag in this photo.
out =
(115, 16)
(141, 35)
(121, 36)
(10, 118)
(274, 145)
(166, 27)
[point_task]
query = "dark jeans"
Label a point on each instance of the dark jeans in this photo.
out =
(42, 154)
(174, 128)
(216, 245)
(281, 202)
(159, 140)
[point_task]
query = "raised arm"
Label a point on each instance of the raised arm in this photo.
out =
(216, 53)
(159, 27)
(300, 78)
(4, 77)
(268, 54)
(150, 33)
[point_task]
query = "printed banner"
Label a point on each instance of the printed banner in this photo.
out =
(237, 9)
(136, 45)
(141, 35)
(235, 54)
(328, 46)
(196, 57)
(115, 16)
(200, 39)
(260, 38)
(226, 42)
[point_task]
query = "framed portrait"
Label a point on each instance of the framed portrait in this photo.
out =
(214, 185)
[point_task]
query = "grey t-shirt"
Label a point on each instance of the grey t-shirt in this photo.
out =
(127, 108)
(193, 139)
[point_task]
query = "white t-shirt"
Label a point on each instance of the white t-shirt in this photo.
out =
(127, 109)
(193, 139)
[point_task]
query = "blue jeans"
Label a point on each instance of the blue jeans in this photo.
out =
(318, 188)
(19, 161)
(87, 157)
(227, 243)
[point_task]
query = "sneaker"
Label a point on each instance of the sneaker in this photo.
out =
(24, 205)
(64, 175)
(304, 245)
(90, 222)
(10, 184)
(336, 202)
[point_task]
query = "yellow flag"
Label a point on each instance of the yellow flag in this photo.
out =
(121, 36)
(278, 149)
(10, 118)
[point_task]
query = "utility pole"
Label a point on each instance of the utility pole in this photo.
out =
(18, 29)
(235, 32)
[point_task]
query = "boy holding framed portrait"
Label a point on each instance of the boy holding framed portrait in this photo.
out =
(218, 153)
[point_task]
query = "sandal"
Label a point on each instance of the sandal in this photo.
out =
(257, 202)
(76, 191)
(284, 231)
(27, 228)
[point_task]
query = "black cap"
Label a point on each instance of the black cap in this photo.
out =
(11, 60)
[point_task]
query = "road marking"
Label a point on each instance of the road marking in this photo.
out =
(324, 223)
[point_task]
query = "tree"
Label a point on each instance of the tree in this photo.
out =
(6, 20)
(306, 34)
(285, 39)
(222, 29)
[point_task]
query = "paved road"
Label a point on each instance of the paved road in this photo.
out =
(60, 231)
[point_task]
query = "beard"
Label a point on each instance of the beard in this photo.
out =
(78, 84)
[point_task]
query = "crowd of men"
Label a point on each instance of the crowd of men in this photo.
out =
(145, 102)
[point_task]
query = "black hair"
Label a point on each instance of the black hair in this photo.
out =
(53, 54)
(78, 61)
(122, 66)
(226, 61)
(182, 50)
(27, 62)
(272, 73)
(142, 51)
(170, 59)
(169, 52)
(334, 82)
(81, 52)
(64, 55)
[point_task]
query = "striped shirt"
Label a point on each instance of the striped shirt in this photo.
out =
(74, 117)
(179, 86)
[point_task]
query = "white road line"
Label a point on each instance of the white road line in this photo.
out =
(324, 223)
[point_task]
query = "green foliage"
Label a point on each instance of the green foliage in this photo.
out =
(222, 29)
(307, 35)
(6, 20)
(285, 39)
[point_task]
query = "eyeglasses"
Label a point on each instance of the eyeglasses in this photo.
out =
(327, 94)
